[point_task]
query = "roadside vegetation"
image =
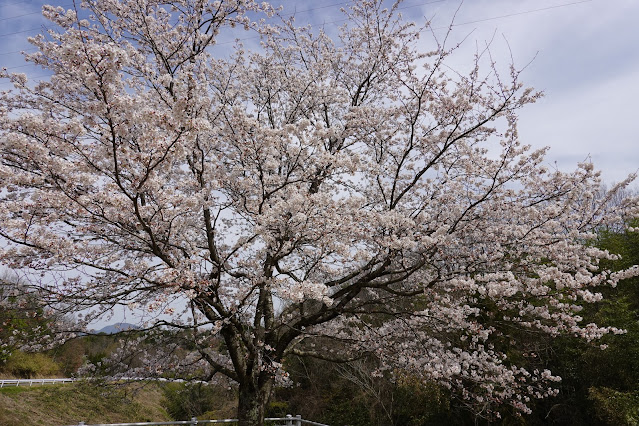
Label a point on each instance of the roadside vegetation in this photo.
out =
(71, 403)
(599, 386)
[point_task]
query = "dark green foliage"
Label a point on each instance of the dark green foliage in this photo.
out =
(186, 400)
(600, 387)
(277, 409)
(21, 317)
(350, 394)
(615, 408)
(183, 401)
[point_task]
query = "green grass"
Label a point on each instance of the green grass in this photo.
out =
(13, 390)
(69, 404)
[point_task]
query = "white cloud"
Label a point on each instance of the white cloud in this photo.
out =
(587, 63)
(600, 121)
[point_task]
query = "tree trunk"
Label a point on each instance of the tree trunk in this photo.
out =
(252, 405)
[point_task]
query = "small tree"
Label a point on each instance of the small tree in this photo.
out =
(23, 319)
(319, 188)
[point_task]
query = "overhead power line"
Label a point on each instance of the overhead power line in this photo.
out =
(20, 16)
(491, 18)
(15, 2)
(476, 21)
(33, 49)
(38, 12)
(19, 32)
(509, 15)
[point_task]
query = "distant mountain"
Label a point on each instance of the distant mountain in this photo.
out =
(116, 328)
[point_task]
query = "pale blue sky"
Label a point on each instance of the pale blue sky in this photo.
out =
(586, 61)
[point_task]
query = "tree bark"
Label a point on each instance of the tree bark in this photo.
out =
(252, 404)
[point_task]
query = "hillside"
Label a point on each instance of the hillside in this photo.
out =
(116, 328)
(71, 403)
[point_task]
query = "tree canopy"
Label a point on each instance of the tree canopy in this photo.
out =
(321, 195)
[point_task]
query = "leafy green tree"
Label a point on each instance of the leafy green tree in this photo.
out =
(600, 381)
(22, 318)
(186, 400)
(354, 393)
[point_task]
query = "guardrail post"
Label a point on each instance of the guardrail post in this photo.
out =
(81, 424)
(194, 420)
(298, 422)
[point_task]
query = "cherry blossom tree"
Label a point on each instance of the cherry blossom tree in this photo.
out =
(351, 189)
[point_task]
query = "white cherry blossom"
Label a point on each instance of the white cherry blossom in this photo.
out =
(320, 196)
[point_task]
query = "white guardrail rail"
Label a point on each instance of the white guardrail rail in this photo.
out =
(31, 382)
(289, 420)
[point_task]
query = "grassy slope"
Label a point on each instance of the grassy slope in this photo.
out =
(70, 403)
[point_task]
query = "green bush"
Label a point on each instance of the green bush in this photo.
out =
(183, 401)
(614, 407)
(30, 365)
(277, 409)
(350, 394)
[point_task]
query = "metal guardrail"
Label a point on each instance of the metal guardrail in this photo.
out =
(289, 420)
(31, 382)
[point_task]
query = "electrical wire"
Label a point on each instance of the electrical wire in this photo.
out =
(33, 49)
(520, 13)
(492, 18)
(15, 2)
(19, 32)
